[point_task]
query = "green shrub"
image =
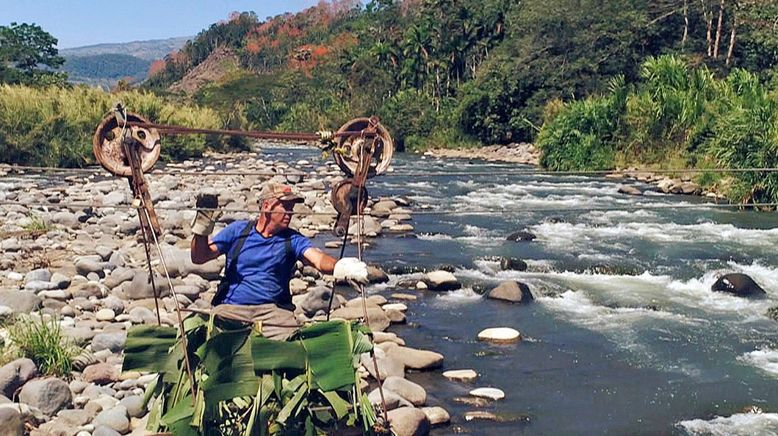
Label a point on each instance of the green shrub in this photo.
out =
(54, 126)
(44, 343)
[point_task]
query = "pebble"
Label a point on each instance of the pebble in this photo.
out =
(499, 335)
(395, 306)
(490, 393)
(105, 315)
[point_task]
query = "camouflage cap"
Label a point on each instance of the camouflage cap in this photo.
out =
(278, 191)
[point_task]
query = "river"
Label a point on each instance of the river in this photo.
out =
(625, 335)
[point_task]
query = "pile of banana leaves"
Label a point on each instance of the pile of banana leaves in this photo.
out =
(246, 384)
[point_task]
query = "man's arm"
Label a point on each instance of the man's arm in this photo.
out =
(202, 249)
(320, 260)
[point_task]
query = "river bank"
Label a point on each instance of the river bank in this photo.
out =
(677, 182)
(71, 253)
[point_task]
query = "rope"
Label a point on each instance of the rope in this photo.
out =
(421, 212)
(510, 172)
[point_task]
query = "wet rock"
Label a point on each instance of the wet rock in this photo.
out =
(416, 359)
(521, 235)
(515, 292)
(407, 389)
(629, 190)
(489, 393)
(409, 421)
(376, 275)
(15, 374)
(101, 373)
(499, 335)
(437, 415)
(49, 395)
(772, 313)
(465, 375)
(441, 281)
(738, 284)
(512, 263)
(481, 415)
(20, 301)
(113, 341)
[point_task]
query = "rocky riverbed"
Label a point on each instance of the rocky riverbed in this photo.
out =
(85, 267)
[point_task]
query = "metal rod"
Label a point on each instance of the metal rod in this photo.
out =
(294, 136)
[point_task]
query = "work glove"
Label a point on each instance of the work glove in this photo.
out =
(325, 135)
(350, 268)
(203, 222)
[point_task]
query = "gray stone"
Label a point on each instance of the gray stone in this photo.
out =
(114, 198)
(65, 218)
(142, 315)
(378, 319)
(437, 415)
(109, 341)
(515, 292)
(104, 430)
(376, 275)
(113, 303)
(629, 190)
(11, 422)
(140, 286)
(118, 276)
(134, 406)
(38, 275)
(416, 359)
(49, 395)
(20, 301)
(87, 290)
(11, 245)
(441, 281)
(15, 374)
(318, 299)
(179, 264)
(409, 421)
(114, 418)
(387, 366)
(407, 389)
(104, 252)
(87, 265)
(37, 286)
(60, 280)
(391, 399)
(74, 417)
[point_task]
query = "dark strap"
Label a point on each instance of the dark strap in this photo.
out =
(231, 268)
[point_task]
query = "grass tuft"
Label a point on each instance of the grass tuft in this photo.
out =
(43, 342)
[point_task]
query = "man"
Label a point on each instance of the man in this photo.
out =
(259, 281)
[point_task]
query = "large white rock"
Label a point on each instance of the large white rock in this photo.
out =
(465, 375)
(500, 335)
(490, 393)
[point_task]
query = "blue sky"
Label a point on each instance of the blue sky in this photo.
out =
(77, 23)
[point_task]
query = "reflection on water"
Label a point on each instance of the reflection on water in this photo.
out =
(627, 337)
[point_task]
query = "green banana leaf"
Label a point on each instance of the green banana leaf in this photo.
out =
(148, 349)
(329, 346)
(269, 355)
(229, 367)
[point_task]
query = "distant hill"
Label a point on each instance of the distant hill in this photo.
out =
(146, 50)
(104, 64)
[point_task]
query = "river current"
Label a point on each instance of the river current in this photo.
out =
(625, 335)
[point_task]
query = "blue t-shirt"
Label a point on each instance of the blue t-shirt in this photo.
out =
(264, 266)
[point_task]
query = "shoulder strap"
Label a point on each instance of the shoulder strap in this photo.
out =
(235, 252)
(288, 248)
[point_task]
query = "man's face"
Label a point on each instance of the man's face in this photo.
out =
(281, 212)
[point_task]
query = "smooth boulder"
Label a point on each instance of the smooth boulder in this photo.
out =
(407, 389)
(441, 281)
(521, 235)
(416, 359)
(511, 263)
(49, 395)
(738, 284)
(514, 292)
(409, 421)
(15, 374)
